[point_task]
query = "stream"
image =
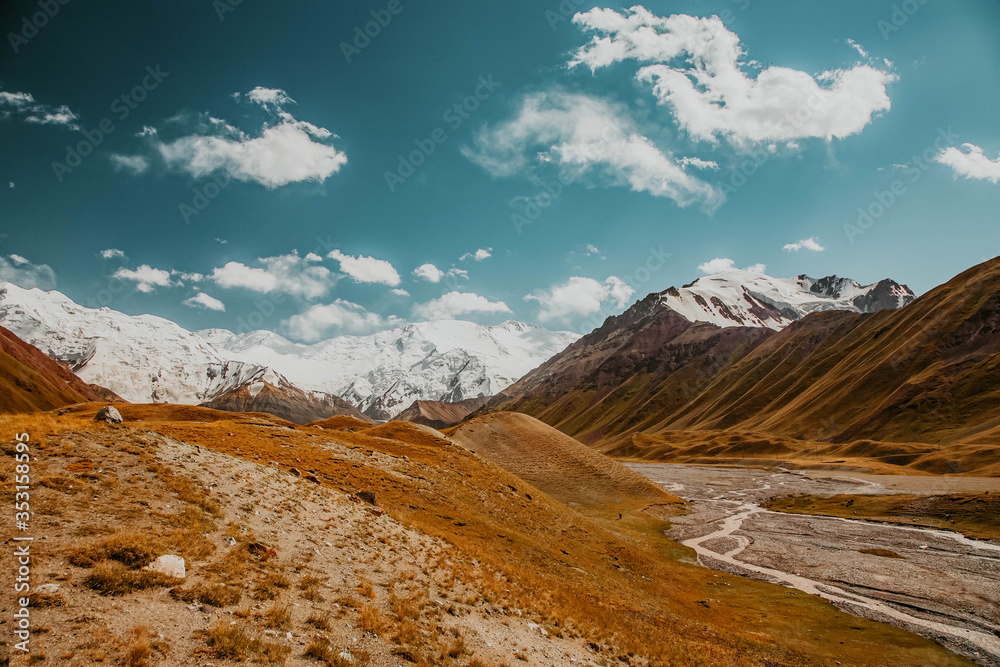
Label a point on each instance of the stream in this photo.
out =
(945, 586)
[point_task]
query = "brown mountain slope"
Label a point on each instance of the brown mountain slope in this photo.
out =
(29, 380)
(287, 401)
(925, 373)
(555, 463)
(440, 414)
(929, 372)
(647, 362)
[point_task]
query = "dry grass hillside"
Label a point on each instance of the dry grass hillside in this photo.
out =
(384, 546)
(560, 466)
(753, 448)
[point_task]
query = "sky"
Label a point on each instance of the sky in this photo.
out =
(320, 169)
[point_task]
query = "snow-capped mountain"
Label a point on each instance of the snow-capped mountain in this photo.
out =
(744, 298)
(384, 373)
(150, 359)
(142, 358)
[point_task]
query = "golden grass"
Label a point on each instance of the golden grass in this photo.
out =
(231, 642)
(217, 595)
(111, 578)
(130, 549)
(278, 617)
(974, 515)
(138, 647)
(371, 619)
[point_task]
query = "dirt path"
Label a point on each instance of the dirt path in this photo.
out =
(935, 583)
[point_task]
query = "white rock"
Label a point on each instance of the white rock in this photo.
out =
(172, 566)
(48, 589)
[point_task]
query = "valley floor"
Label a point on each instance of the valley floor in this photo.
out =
(936, 583)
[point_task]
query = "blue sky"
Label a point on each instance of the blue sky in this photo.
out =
(254, 163)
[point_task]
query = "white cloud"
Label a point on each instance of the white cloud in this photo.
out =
(18, 270)
(367, 269)
(202, 300)
(24, 104)
(717, 265)
(290, 151)
(697, 70)
(579, 297)
(136, 164)
(146, 131)
(479, 255)
(698, 163)
(338, 317)
(400, 292)
(586, 138)
(188, 277)
(112, 253)
(971, 162)
(451, 305)
(592, 251)
(289, 274)
(720, 264)
(313, 257)
(429, 272)
(805, 244)
(857, 47)
(146, 278)
(272, 99)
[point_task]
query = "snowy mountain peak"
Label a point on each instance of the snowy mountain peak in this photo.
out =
(745, 298)
(150, 359)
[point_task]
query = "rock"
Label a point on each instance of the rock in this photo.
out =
(231, 541)
(295, 471)
(172, 566)
(367, 496)
(109, 414)
(48, 589)
(313, 478)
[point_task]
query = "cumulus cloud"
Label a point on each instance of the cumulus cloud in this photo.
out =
(453, 304)
(971, 162)
(23, 273)
(341, 316)
(135, 164)
(696, 67)
(479, 255)
(400, 292)
(288, 151)
(289, 274)
(145, 277)
(586, 138)
(112, 253)
(805, 244)
(429, 272)
(580, 297)
(720, 264)
(204, 301)
(25, 106)
(366, 269)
